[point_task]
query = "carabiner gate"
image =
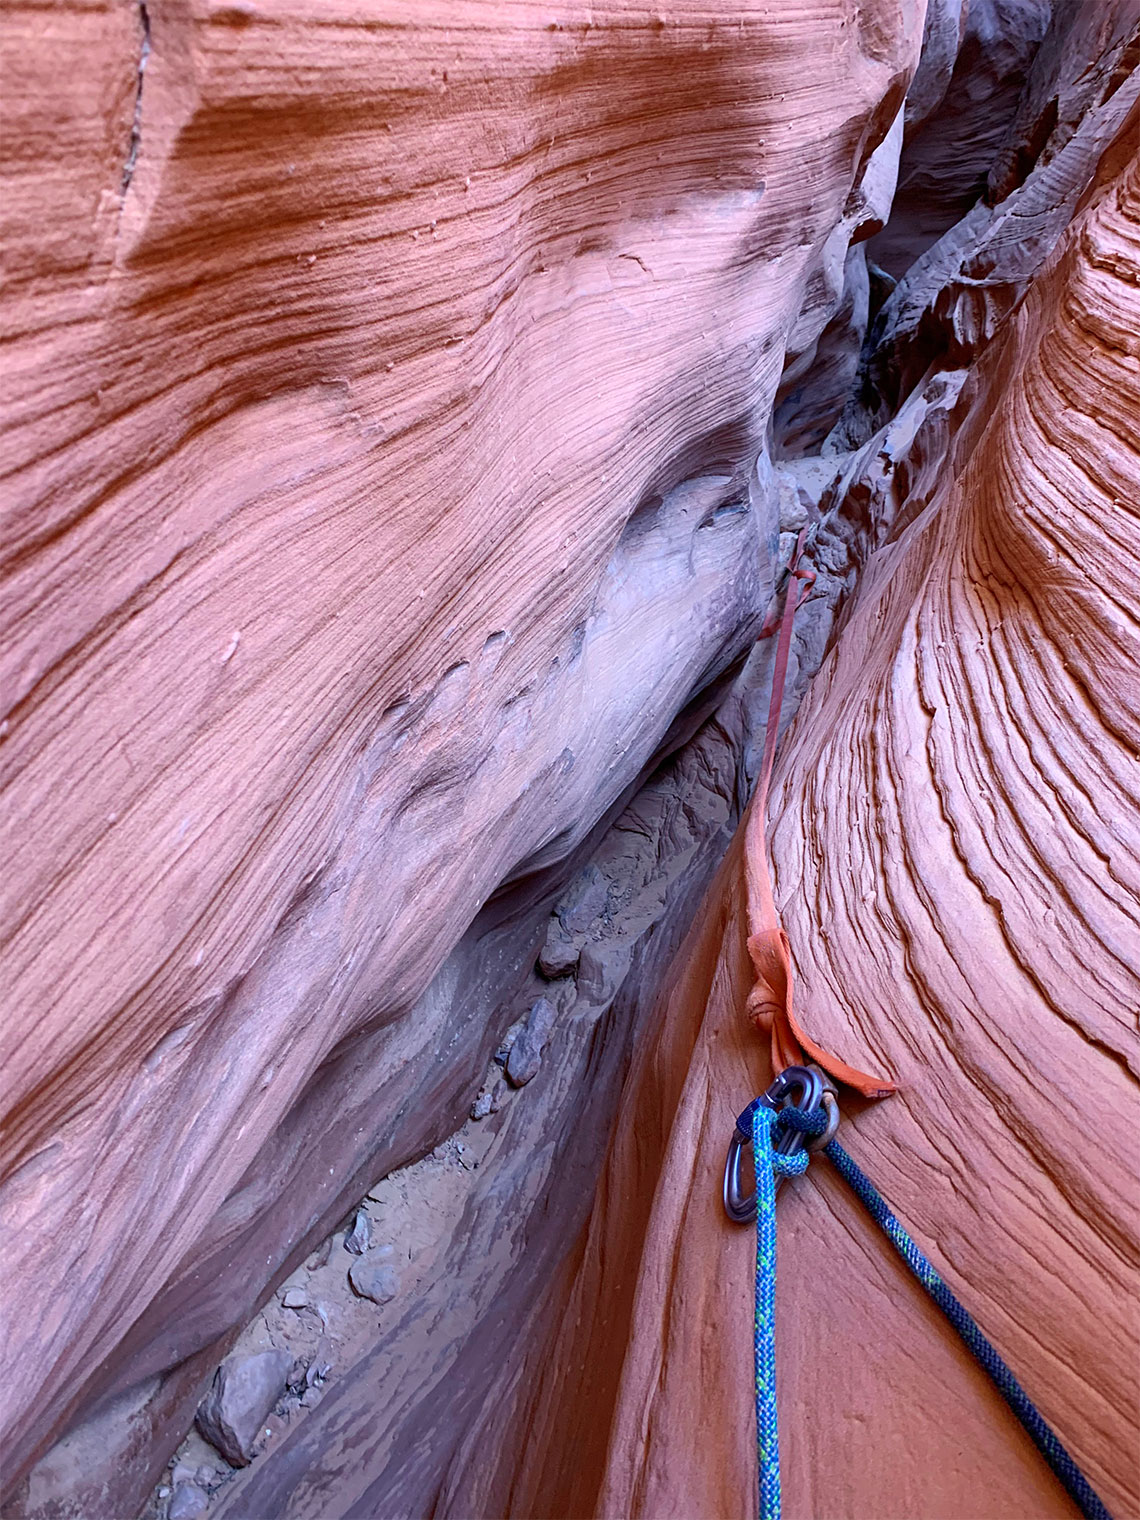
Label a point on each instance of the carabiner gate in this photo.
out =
(802, 1087)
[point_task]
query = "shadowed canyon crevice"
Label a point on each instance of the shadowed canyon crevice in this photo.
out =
(410, 412)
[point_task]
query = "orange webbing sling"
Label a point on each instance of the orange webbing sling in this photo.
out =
(770, 1001)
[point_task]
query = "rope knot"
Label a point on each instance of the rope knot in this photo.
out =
(767, 1120)
(805, 1121)
(794, 1165)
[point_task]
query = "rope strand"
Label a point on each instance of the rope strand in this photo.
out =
(768, 1163)
(1042, 1435)
(771, 1163)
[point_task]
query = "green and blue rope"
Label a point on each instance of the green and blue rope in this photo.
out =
(769, 1163)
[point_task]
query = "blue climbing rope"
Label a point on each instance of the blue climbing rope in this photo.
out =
(769, 1164)
(985, 1353)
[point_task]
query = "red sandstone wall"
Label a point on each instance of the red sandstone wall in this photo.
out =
(343, 345)
(955, 827)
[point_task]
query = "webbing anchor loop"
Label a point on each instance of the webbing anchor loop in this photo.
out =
(805, 1088)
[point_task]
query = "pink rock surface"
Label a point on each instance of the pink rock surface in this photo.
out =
(376, 384)
(385, 402)
(954, 844)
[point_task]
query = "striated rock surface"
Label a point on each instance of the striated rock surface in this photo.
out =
(486, 1258)
(959, 292)
(983, 702)
(952, 142)
(384, 394)
(955, 827)
(408, 413)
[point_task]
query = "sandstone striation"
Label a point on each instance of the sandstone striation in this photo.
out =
(409, 412)
(384, 400)
(956, 818)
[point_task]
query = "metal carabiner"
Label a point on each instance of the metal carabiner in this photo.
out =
(802, 1087)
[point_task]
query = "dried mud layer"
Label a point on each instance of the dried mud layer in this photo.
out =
(409, 412)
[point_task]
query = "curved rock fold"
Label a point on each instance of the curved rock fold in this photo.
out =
(410, 414)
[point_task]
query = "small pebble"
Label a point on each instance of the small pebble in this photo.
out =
(379, 1283)
(512, 1034)
(295, 1298)
(525, 1058)
(586, 901)
(244, 1390)
(600, 970)
(320, 1256)
(559, 954)
(359, 1238)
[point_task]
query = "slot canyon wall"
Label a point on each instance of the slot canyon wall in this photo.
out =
(409, 411)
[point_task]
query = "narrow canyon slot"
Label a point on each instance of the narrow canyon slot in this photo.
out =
(571, 611)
